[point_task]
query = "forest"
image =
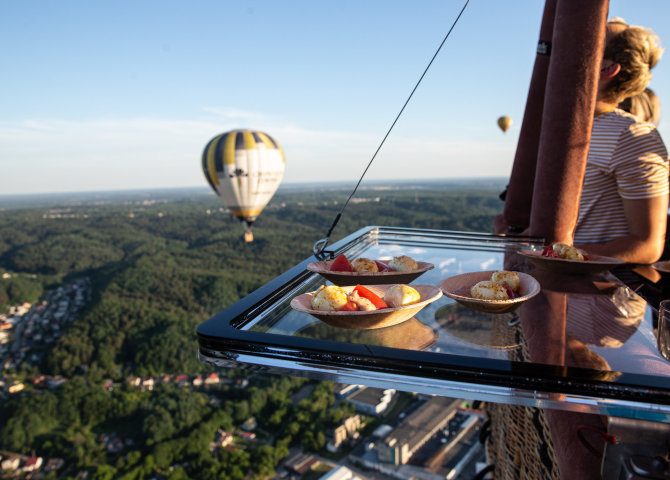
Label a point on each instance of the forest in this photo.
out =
(160, 265)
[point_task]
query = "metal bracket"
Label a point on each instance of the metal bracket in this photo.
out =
(320, 252)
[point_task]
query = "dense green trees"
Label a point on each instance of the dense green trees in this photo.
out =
(20, 288)
(159, 268)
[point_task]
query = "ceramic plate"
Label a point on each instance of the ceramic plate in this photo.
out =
(458, 288)
(365, 320)
(367, 278)
(595, 263)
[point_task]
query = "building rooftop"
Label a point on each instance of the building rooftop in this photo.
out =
(369, 395)
(424, 420)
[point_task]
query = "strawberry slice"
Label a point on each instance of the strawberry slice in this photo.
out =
(550, 252)
(382, 267)
(510, 292)
(341, 264)
(370, 295)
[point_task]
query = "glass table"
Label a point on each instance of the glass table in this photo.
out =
(585, 343)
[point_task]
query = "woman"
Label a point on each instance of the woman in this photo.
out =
(624, 202)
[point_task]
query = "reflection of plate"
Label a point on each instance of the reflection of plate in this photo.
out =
(409, 335)
(374, 319)
(595, 263)
(663, 267)
(458, 288)
(479, 328)
(367, 278)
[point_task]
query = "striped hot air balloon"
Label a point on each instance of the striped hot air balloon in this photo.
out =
(244, 168)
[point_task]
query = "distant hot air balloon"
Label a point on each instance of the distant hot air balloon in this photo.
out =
(244, 168)
(504, 123)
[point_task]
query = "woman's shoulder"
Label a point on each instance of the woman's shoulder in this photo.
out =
(616, 117)
(620, 121)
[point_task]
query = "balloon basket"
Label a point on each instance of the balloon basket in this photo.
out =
(248, 236)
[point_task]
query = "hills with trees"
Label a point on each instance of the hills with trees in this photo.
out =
(159, 265)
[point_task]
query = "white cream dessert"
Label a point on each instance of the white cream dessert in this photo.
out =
(403, 263)
(329, 298)
(401, 295)
(511, 279)
(489, 290)
(364, 265)
(567, 251)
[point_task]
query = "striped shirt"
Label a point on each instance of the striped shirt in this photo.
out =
(606, 319)
(627, 160)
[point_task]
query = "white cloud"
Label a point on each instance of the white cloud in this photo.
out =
(487, 264)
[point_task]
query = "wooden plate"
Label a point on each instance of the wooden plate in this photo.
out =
(367, 278)
(595, 263)
(366, 320)
(458, 288)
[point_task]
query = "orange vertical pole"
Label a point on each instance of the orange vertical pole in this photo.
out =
(569, 104)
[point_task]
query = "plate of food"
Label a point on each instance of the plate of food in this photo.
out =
(365, 271)
(562, 258)
(494, 291)
(361, 307)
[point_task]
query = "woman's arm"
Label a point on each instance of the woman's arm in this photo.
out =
(647, 220)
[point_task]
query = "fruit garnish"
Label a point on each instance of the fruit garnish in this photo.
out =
(510, 292)
(341, 264)
(382, 266)
(550, 252)
(370, 295)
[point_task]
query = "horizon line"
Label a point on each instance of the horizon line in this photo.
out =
(283, 186)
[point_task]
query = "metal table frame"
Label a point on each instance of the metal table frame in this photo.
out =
(225, 342)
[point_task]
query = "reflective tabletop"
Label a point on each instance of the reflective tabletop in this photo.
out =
(585, 343)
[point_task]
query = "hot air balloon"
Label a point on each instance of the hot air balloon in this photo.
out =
(504, 123)
(244, 168)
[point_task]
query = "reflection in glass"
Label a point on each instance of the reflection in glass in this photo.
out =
(663, 332)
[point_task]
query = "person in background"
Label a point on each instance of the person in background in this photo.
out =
(646, 106)
(624, 202)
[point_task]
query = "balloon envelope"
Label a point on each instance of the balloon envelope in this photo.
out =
(504, 123)
(244, 168)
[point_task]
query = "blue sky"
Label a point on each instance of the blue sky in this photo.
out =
(125, 95)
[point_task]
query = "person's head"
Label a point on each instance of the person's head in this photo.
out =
(630, 54)
(645, 106)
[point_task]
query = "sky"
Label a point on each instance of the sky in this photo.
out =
(124, 95)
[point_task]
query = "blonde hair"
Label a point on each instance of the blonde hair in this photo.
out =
(646, 106)
(637, 50)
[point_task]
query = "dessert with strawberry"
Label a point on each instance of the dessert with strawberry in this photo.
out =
(503, 285)
(403, 263)
(565, 251)
(362, 299)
